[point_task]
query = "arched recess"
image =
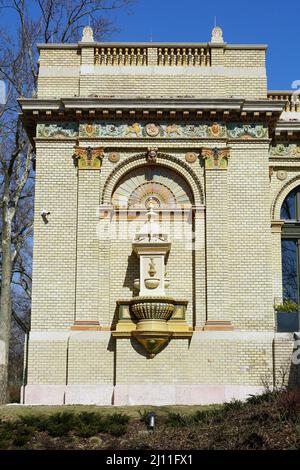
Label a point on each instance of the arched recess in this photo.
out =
(164, 160)
(281, 195)
(164, 186)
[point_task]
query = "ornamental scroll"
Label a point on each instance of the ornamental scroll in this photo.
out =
(88, 158)
(215, 159)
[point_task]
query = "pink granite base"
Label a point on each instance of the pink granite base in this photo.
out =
(89, 394)
(43, 394)
(159, 395)
(136, 394)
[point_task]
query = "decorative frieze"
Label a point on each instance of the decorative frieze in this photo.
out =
(285, 150)
(246, 131)
(88, 158)
(215, 159)
(141, 129)
(57, 130)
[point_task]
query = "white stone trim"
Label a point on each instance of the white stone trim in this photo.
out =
(73, 335)
(90, 335)
(98, 70)
(234, 335)
(49, 335)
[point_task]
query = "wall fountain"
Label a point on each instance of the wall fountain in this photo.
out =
(151, 317)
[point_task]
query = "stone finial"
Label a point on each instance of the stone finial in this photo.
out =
(217, 35)
(87, 34)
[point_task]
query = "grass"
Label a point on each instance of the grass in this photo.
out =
(268, 421)
(13, 411)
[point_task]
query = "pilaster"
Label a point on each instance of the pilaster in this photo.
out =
(216, 162)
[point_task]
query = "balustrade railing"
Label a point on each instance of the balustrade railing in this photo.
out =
(292, 99)
(183, 56)
(161, 56)
(121, 56)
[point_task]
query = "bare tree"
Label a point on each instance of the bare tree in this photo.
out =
(33, 21)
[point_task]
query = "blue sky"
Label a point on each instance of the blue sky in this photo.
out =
(275, 23)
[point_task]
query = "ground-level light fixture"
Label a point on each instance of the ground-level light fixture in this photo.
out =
(151, 421)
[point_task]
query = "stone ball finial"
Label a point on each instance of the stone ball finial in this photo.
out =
(217, 35)
(87, 34)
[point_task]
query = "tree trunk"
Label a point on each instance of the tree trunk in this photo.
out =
(5, 305)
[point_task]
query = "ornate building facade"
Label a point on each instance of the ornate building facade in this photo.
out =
(166, 211)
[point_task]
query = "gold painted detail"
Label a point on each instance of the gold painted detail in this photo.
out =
(156, 308)
(153, 324)
(215, 158)
(113, 157)
(88, 158)
(152, 341)
(191, 157)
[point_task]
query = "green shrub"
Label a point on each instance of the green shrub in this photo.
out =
(36, 421)
(144, 415)
(116, 429)
(89, 424)
(58, 424)
(86, 430)
(287, 306)
(118, 418)
(22, 437)
(175, 420)
(6, 434)
(233, 405)
(205, 415)
(266, 397)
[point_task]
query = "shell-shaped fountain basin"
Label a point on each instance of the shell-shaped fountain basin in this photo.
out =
(152, 308)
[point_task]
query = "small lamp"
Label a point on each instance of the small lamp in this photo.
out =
(151, 421)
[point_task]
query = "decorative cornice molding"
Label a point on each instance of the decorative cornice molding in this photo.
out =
(121, 103)
(150, 45)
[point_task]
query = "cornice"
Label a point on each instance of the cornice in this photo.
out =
(180, 103)
(151, 44)
(287, 129)
(288, 125)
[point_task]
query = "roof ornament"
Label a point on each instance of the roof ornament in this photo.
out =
(87, 34)
(217, 35)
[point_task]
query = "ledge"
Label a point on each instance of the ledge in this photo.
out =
(172, 103)
(150, 45)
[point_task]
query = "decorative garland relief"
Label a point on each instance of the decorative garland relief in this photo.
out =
(150, 130)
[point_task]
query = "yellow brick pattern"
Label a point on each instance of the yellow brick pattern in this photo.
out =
(234, 272)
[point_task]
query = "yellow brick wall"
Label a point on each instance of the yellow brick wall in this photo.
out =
(54, 265)
(221, 359)
(63, 57)
(47, 362)
(153, 80)
(77, 276)
(244, 57)
(249, 233)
